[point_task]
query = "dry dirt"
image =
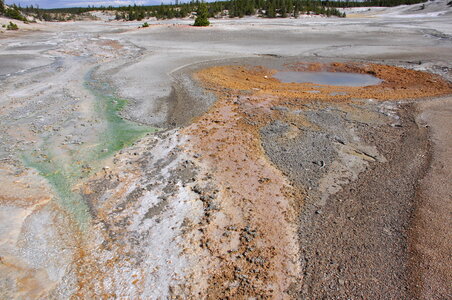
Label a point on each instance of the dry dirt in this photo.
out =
(430, 238)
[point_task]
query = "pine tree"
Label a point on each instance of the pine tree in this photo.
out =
(12, 26)
(2, 7)
(271, 12)
(289, 7)
(282, 9)
(202, 15)
(296, 11)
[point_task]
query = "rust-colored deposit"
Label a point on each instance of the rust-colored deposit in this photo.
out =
(253, 238)
(398, 83)
(257, 209)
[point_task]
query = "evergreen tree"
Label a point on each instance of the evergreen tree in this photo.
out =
(289, 8)
(270, 12)
(140, 15)
(14, 13)
(202, 15)
(297, 8)
(283, 10)
(2, 7)
(12, 26)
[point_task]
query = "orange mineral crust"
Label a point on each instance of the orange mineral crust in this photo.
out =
(253, 239)
(398, 83)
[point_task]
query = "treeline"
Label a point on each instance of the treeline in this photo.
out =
(135, 12)
(381, 3)
(12, 12)
(49, 15)
(231, 8)
(30, 13)
(280, 8)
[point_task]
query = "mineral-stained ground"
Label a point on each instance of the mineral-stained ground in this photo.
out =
(168, 162)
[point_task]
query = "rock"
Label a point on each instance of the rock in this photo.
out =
(320, 163)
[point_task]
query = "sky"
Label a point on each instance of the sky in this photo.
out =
(83, 3)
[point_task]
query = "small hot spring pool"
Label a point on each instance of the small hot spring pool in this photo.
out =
(328, 78)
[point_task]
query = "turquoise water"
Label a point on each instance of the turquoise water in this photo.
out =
(64, 169)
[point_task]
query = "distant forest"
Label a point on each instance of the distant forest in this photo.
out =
(231, 8)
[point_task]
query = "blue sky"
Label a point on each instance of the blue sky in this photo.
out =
(81, 3)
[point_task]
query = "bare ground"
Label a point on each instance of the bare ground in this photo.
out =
(260, 189)
(429, 236)
(356, 245)
(357, 164)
